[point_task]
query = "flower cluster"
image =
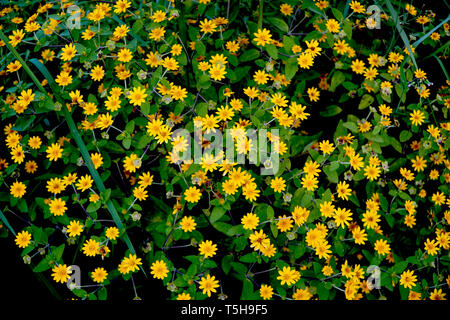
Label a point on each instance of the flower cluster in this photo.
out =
(94, 164)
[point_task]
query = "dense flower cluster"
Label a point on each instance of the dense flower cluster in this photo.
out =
(92, 164)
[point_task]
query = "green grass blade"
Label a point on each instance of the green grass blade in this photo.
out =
(401, 32)
(6, 223)
(442, 67)
(260, 14)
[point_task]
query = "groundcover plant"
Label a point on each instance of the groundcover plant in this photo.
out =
(234, 149)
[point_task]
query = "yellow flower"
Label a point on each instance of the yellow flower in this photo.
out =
(61, 273)
(84, 183)
(332, 25)
(207, 248)
(112, 233)
(288, 276)
(278, 184)
(382, 247)
(192, 194)
(217, 72)
(97, 73)
(262, 37)
(188, 224)
(159, 269)
(132, 162)
(342, 217)
(207, 26)
(266, 291)
(137, 96)
(417, 117)
(250, 221)
(74, 228)
(64, 78)
(121, 6)
(124, 55)
(99, 275)
(408, 279)
(57, 207)
(208, 284)
(23, 239)
(68, 52)
(18, 189)
(91, 248)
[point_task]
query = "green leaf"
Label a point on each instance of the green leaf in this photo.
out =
(279, 23)
(43, 265)
(291, 68)
(216, 214)
(331, 111)
(366, 101)
(405, 135)
(249, 55)
(272, 51)
(337, 78)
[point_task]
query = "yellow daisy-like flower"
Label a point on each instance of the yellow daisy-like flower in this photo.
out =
(207, 248)
(188, 224)
(84, 183)
(68, 52)
(91, 248)
(61, 273)
(23, 239)
(124, 55)
(262, 37)
(18, 189)
(159, 269)
(74, 228)
(192, 194)
(112, 233)
(208, 284)
(250, 221)
(99, 275)
(137, 96)
(97, 73)
(54, 152)
(57, 207)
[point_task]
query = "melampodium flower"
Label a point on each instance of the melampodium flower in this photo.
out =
(192, 194)
(74, 228)
(262, 37)
(288, 276)
(112, 233)
(57, 206)
(137, 96)
(84, 183)
(124, 55)
(382, 247)
(91, 248)
(342, 217)
(99, 275)
(18, 189)
(54, 152)
(159, 269)
(68, 52)
(61, 273)
(266, 292)
(207, 248)
(23, 239)
(250, 221)
(408, 279)
(132, 162)
(208, 284)
(97, 73)
(188, 224)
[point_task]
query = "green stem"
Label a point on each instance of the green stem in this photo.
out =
(260, 15)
